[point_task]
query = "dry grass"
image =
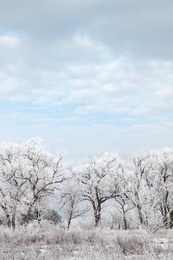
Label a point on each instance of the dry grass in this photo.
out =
(50, 242)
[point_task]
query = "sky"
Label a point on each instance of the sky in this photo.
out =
(87, 76)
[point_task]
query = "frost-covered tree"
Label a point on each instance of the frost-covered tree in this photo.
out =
(71, 198)
(137, 191)
(28, 174)
(150, 187)
(12, 189)
(98, 180)
(42, 171)
(161, 182)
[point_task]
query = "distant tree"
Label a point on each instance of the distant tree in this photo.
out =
(51, 215)
(37, 214)
(121, 205)
(70, 198)
(98, 180)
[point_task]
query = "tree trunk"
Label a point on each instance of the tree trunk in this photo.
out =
(97, 215)
(69, 219)
(7, 215)
(28, 216)
(165, 210)
(171, 219)
(140, 214)
(13, 221)
(125, 220)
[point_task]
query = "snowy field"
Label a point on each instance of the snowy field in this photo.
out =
(52, 242)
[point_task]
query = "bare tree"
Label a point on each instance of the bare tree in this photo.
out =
(70, 198)
(137, 191)
(98, 181)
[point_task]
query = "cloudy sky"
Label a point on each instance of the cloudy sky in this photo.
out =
(87, 76)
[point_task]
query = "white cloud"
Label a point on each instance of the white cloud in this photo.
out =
(8, 85)
(121, 86)
(9, 41)
(85, 42)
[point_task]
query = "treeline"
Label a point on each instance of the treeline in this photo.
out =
(129, 195)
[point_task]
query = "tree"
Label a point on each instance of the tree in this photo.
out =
(136, 191)
(28, 174)
(150, 187)
(70, 198)
(121, 205)
(98, 180)
(11, 189)
(43, 173)
(162, 182)
(42, 214)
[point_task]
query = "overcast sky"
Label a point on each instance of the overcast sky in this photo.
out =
(87, 76)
